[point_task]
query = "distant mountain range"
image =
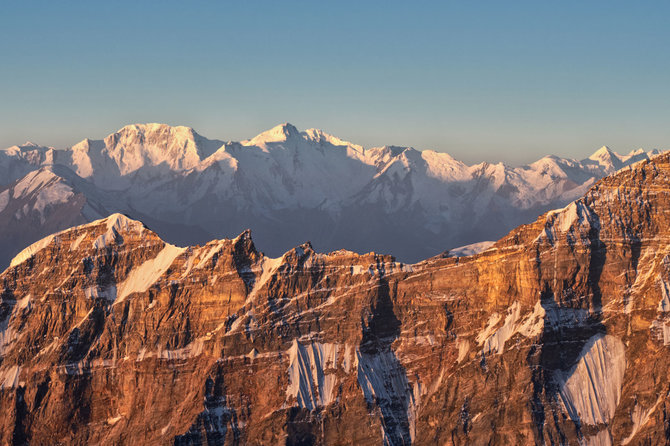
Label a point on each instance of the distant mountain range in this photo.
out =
(287, 186)
(557, 334)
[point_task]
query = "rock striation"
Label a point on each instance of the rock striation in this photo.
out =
(556, 334)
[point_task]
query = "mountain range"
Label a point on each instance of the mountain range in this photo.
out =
(557, 334)
(285, 185)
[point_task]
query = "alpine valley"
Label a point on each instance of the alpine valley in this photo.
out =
(285, 185)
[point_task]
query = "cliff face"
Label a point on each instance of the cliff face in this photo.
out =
(558, 334)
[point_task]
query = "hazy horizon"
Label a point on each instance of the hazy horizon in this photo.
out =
(585, 155)
(482, 82)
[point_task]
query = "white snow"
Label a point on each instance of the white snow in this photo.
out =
(32, 182)
(145, 275)
(55, 193)
(168, 172)
(75, 245)
(31, 250)
(463, 348)
(494, 340)
(490, 328)
(268, 268)
(576, 219)
(533, 325)
(9, 377)
(312, 376)
(470, 250)
(640, 417)
(116, 225)
(591, 390)
(192, 350)
(495, 344)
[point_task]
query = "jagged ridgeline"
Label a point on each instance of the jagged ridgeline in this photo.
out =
(287, 186)
(556, 334)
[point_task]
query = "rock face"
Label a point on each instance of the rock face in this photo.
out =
(557, 334)
(287, 186)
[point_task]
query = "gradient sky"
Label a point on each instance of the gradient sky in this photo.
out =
(482, 81)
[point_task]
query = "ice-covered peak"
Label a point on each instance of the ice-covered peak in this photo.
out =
(279, 133)
(138, 145)
(607, 159)
(118, 226)
(152, 134)
(320, 136)
(604, 154)
(120, 222)
(26, 148)
(156, 128)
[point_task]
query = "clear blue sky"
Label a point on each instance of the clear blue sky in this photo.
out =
(506, 81)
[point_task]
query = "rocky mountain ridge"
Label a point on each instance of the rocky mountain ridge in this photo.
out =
(556, 334)
(287, 186)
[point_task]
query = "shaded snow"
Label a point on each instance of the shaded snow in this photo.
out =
(590, 391)
(311, 373)
(384, 383)
(4, 199)
(575, 221)
(96, 292)
(664, 304)
(470, 250)
(640, 417)
(116, 225)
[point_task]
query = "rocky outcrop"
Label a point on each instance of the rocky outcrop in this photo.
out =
(556, 334)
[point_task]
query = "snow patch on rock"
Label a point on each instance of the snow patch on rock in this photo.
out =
(471, 249)
(591, 390)
(9, 378)
(312, 375)
(31, 250)
(639, 417)
(384, 383)
(4, 199)
(116, 224)
(575, 221)
(493, 342)
(141, 278)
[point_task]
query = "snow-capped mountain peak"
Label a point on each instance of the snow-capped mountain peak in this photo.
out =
(279, 133)
(287, 185)
(319, 136)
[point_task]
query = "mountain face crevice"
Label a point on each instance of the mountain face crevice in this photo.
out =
(556, 334)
